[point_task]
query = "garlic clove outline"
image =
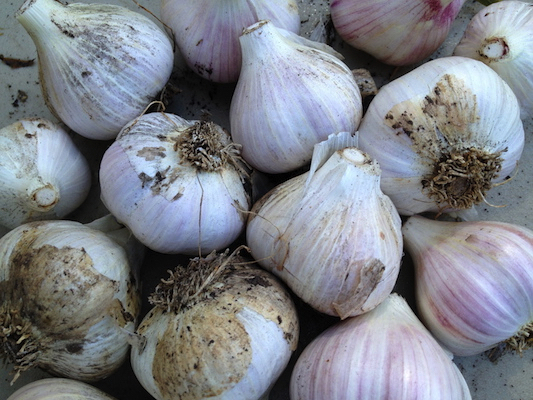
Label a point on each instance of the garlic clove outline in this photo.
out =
(334, 238)
(43, 174)
(207, 33)
(59, 388)
(395, 32)
(386, 353)
(474, 282)
(443, 135)
(219, 328)
(501, 36)
(179, 185)
(291, 94)
(69, 299)
(100, 65)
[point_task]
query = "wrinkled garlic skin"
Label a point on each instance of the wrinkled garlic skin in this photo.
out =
(207, 32)
(290, 95)
(335, 241)
(59, 388)
(395, 32)
(231, 343)
(443, 135)
(474, 282)
(43, 175)
(99, 65)
(501, 36)
(155, 179)
(68, 300)
(386, 353)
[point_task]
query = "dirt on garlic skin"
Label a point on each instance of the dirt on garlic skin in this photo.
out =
(438, 125)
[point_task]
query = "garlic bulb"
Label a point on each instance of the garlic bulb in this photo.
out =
(100, 65)
(43, 175)
(57, 389)
(332, 236)
(395, 32)
(292, 93)
(220, 328)
(179, 185)
(474, 282)
(207, 32)
(443, 135)
(501, 36)
(384, 354)
(68, 299)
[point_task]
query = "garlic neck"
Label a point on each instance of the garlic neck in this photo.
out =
(494, 49)
(36, 15)
(43, 197)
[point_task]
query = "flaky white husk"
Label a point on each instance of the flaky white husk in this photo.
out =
(69, 299)
(207, 32)
(474, 282)
(232, 340)
(57, 389)
(429, 120)
(292, 93)
(386, 353)
(501, 36)
(334, 238)
(100, 65)
(396, 32)
(43, 175)
(171, 203)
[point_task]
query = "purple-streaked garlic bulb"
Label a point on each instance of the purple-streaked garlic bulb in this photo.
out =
(474, 282)
(395, 32)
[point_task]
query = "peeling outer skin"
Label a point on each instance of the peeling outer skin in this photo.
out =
(205, 350)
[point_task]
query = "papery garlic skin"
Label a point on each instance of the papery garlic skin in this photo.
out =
(291, 94)
(335, 240)
(231, 340)
(501, 36)
(69, 300)
(57, 389)
(474, 281)
(100, 65)
(43, 175)
(156, 180)
(386, 353)
(395, 32)
(207, 32)
(443, 135)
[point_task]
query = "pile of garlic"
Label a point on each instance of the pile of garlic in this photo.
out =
(329, 194)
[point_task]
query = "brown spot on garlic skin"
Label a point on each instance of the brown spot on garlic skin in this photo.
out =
(151, 153)
(438, 126)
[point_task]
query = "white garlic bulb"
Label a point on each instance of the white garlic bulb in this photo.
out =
(100, 65)
(474, 282)
(179, 185)
(43, 175)
(220, 328)
(501, 36)
(207, 32)
(69, 298)
(292, 93)
(395, 32)
(443, 135)
(58, 389)
(386, 353)
(332, 236)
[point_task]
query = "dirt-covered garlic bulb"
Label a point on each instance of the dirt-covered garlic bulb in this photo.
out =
(100, 65)
(69, 297)
(59, 389)
(443, 135)
(331, 235)
(179, 185)
(207, 32)
(220, 328)
(43, 174)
